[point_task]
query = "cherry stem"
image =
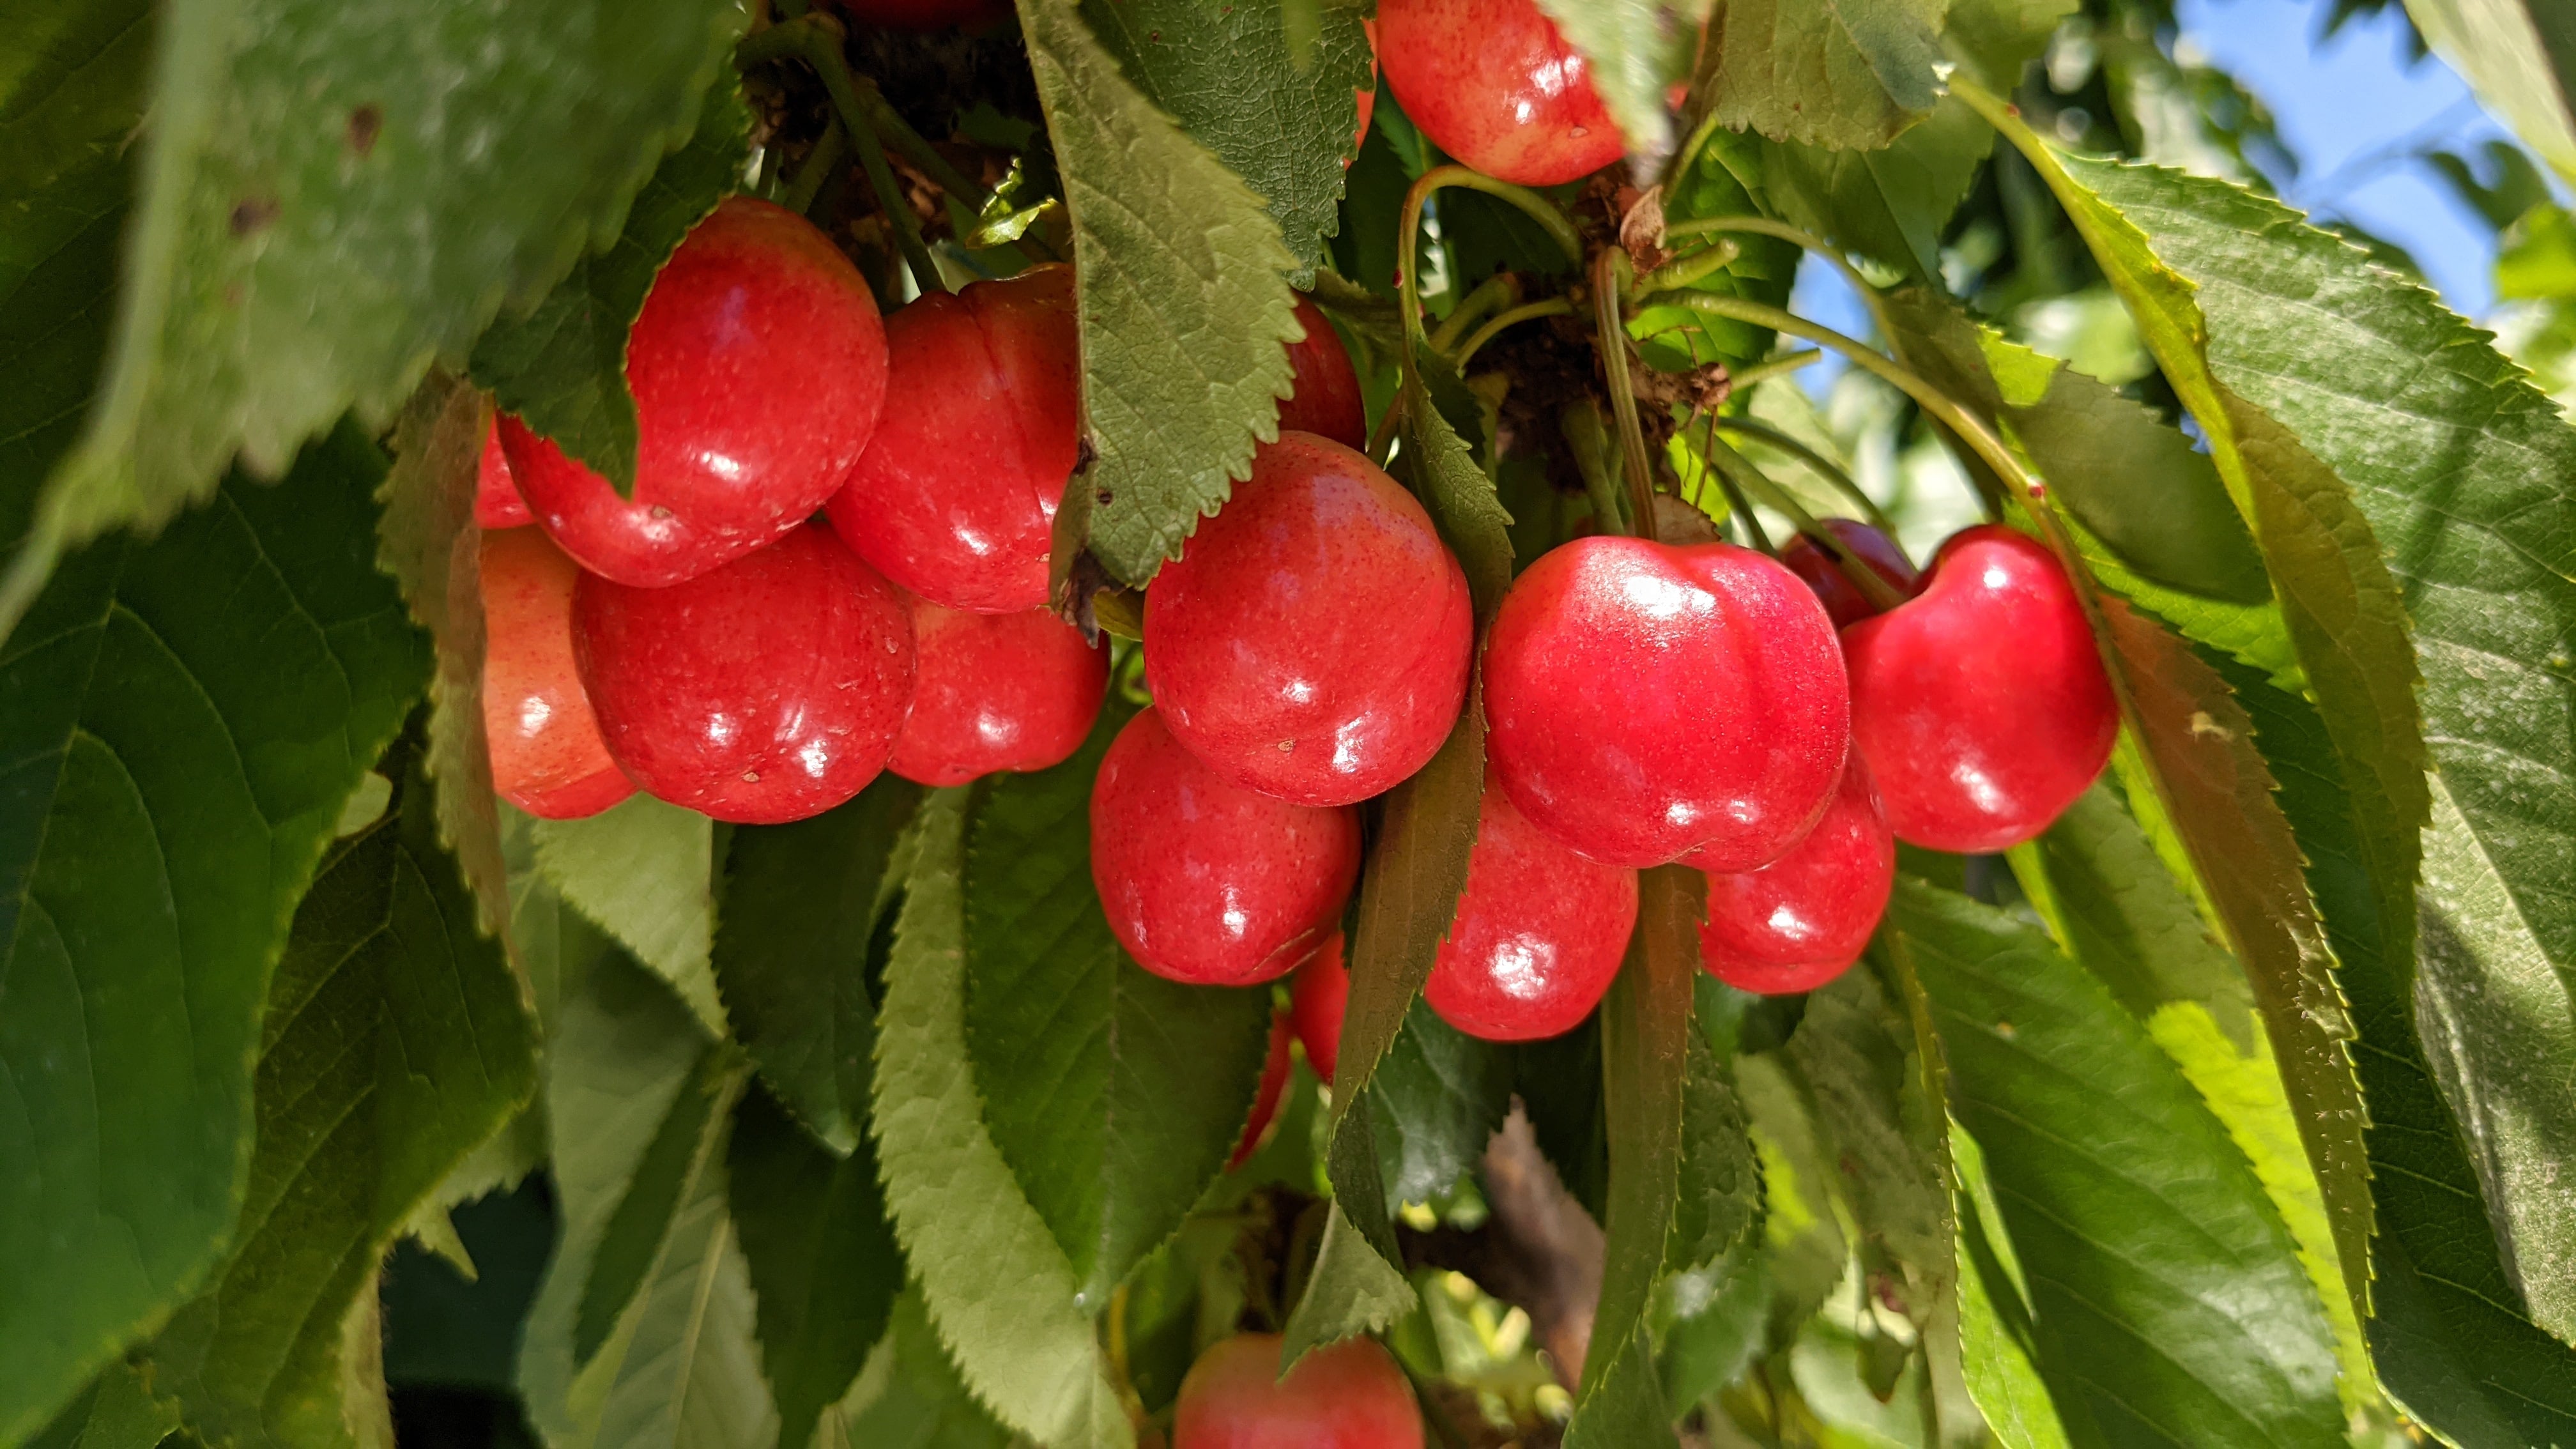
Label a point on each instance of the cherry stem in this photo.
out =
(1610, 271)
(1589, 441)
(1733, 473)
(1825, 467)
(815, 169)
(1872, 584)
(1682, 271)
(1501, 290)
(1971, 429)
(1781, 230)
(1408, 277)
(898, 210)
(1552, 307)
(1772, 367)
(816, 40)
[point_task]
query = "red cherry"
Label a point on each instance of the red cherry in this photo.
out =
(995, 692)
(1842, 598)
(1312, 641)
(1349, 1395)
(1495, 84)
(1981, 705)
(1317, 995)
(497, 503)
(955, 497)
(1800, 921)
(1206, 882)
(729, 456)
(1538, 935)
(1265, 1100)
(926, 14)
(1327, 400)
(547, 756)
(1647, 699)
(766, 691)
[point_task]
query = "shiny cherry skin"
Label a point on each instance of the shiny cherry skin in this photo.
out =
(1206, 882)
(1646, 699)
(1496, 85)
(1980, 705)
(547, 756)
(766, 691)
(1348, 1395)
(497, 503)
(1265, 1099)
(926, 14)
(1317, 995)
(1312, 640)
(1801, 921)
(727, 459)
(955, 497)
(1538, 935)
(1843, 600)
(995, 692)
(1327, 401)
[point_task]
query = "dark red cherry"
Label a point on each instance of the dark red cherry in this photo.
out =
(926, 14)
(1316, 996)
(1312, 640)
(1842, 598)
(497, 503)
(1980, 705)
(1265, 1098)
(1496, 85)
(1207, 882)
(768, 690)
(1349, 1395)
(955, 497)
(547, 756)
(995, 692)
(1800, 921)
(1327, 401)
(731, 453)
(1646, 700)
(1538, 935)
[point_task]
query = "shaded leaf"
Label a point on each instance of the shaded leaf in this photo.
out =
(1719, 1183)
(1113, 1094)
(678, 1160)
(996, 1280)
(642, 870)
(172, 774)
(1850, 74)
(395, 1043)
(909, 1396)
(1284, 118)
(117, 1411)
(801, 904)
(1181, 279)
(562, 367)
(2167, 1298)
(1437, 1097)
(822, 1256)
(313, 223)
(1855, 1056)
(1889, 203)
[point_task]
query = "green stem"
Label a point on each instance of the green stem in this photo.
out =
(1771, 367)
(1610, 271)
(1682, 271)
(898, 210)
(1552, 307)
(1781, 230)
(1408, 278)
(1733, 473)
(1825, 467)
(1499, 290)
(1589, 441)
(1872, 584)
(815, 169)
(816, 40)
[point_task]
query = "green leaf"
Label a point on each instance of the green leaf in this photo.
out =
(562, 367)
(395, 1044)
(2167, 1298)
(1645, 1053)
(313, 222)
(643, 870)
(426, 540)
(823, 1259)
(1994, 1320)
(1889, 203)
(678, 1159)
(1850, 74)
(117, 1411)
(2520, 57)
(909, 1396)
(1855, 1057)
(1634, 50)
(681, 1369)
(172, 773)
(1181, 277)
(1720, 1183)
(1436, 465)
(802, 903)
(71, 96)
(1283, 121)
(1113, 1095)
(1437, 1097)
(997, 1282)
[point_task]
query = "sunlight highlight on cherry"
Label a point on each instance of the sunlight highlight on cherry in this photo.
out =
(1497, 86)
(1538, 934)
(547, 755)
(995, 692)
(1802, 920)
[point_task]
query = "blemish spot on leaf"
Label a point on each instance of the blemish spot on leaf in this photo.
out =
(365, 124)
(252, 213)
